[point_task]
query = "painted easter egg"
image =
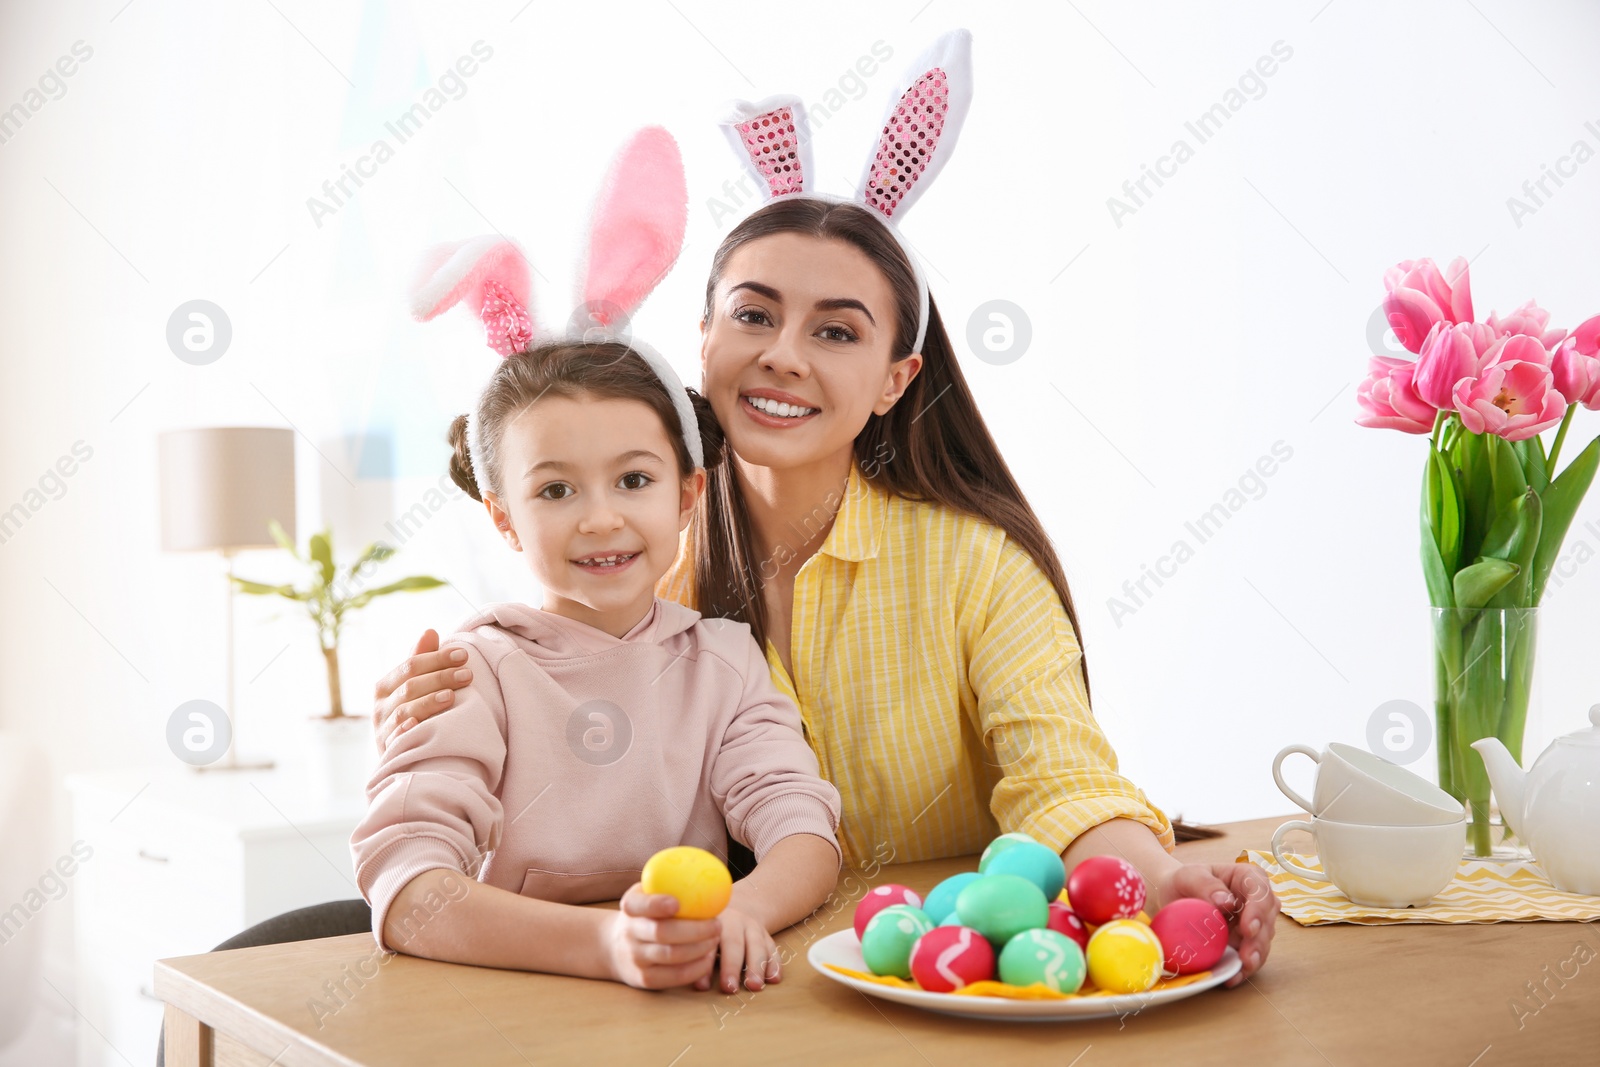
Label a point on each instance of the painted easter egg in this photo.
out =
(951, 957)
(1193, 933)
(941, 902)
(1125, 956)
(999, 845)
(1035, 862)
(1001, 906)
(1103, 888)
(1044, 956)
(950, 920)
(698, 879)
(890, 935)
(878, 899)
(1063, 920)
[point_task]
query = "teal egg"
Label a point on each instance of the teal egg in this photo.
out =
(1001, 906)
(1044, 956)
(941, 902)
(950, 920)
(999, 845)
(1035, 862)
(886, 942)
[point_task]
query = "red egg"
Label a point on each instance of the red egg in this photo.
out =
(949, 957)
(880, 898)
(1103, 888)
(1193, 933)
(1064, 921)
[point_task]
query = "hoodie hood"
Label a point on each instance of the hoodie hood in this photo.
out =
(543, 634)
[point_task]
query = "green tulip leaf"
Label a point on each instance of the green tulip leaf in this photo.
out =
(1534, 465)
(1476, 585)
(1561, 503)
(322, 556)
(1443, 510)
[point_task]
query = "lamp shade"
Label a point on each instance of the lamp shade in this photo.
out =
(221, 485)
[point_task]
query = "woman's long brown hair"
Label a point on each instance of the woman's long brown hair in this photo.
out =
(931, 446)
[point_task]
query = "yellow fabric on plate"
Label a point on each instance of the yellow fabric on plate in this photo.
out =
(1483, 891)
(1036, 991)
(939, 683)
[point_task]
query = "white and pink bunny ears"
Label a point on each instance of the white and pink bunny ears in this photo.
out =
(635, 235)
(919, 134)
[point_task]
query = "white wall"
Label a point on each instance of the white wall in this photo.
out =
(1229, 312)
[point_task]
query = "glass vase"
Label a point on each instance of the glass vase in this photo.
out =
(1483, 685)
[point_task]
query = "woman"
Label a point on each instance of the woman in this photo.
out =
(906, 595)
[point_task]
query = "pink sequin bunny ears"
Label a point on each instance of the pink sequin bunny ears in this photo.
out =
(918, 135)
(635, 235)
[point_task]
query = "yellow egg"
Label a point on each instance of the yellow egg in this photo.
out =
(698, 879)
(1142, 917)
(1062, 896)
(1124, 956)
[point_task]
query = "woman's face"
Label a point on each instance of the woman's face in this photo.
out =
(810, 322)
(592, 477)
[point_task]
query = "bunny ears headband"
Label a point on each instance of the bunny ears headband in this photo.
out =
(918, 135)
(635, 235)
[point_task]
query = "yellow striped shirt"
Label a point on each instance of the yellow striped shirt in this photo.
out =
(939, 683)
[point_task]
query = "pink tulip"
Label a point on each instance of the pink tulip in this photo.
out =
(1530, 319)
(1576, 367)
(1450, 353)
(1514, 399)
(1421, 295)
(1389, 398)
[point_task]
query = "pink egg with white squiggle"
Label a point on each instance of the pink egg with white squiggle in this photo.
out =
(948, 958)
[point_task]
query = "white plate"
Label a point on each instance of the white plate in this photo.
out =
(843, 950)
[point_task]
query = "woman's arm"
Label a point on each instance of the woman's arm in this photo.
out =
(443, 915)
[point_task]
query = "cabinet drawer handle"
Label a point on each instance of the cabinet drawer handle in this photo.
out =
(152, 857)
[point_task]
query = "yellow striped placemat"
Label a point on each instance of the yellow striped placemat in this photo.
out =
(1483, 891)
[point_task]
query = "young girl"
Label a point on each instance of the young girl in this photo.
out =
(607, 724)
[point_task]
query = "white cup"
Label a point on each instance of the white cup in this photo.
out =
(1354, 786)
(1380, 866)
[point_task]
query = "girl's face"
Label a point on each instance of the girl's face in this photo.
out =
(810, 322)
(587, 478)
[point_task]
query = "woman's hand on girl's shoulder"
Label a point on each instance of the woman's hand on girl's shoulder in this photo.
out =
(418, 688)
(647, 948)
(1244, 894)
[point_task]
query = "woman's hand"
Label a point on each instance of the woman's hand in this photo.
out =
(746, 947)
(422, 686)
(648, 949)
(1245, 896)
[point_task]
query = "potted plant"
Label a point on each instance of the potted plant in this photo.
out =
(332, 594)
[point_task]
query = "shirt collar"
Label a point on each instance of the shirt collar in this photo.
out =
(858, 524)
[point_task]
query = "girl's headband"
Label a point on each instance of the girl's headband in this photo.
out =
(635, 235)
(919, 133)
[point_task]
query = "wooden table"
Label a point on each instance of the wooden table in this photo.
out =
(1335, 994)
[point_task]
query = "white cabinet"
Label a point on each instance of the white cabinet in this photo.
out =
(179, 861)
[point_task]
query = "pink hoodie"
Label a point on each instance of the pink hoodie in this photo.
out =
(574, 756)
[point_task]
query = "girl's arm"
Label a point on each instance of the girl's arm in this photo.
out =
(791, 882)
(443, 915)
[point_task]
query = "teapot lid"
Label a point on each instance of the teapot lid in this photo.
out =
(1589, 738)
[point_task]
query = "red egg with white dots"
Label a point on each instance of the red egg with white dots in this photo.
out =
(948, 958)
(1064, 921)
(1193, 933)
(882, 897)
(1103, 888)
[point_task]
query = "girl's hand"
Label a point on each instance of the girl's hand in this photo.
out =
(1244, 894)
(420, 687)
(746, 946)
(648, 949)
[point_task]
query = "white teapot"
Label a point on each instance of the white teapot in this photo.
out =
(1555, 806)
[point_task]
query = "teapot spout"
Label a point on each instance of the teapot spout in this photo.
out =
(1506, 778)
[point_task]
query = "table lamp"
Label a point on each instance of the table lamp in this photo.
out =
(219, 488)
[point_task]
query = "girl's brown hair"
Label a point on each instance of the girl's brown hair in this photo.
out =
(948, 458)
(607, 370)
